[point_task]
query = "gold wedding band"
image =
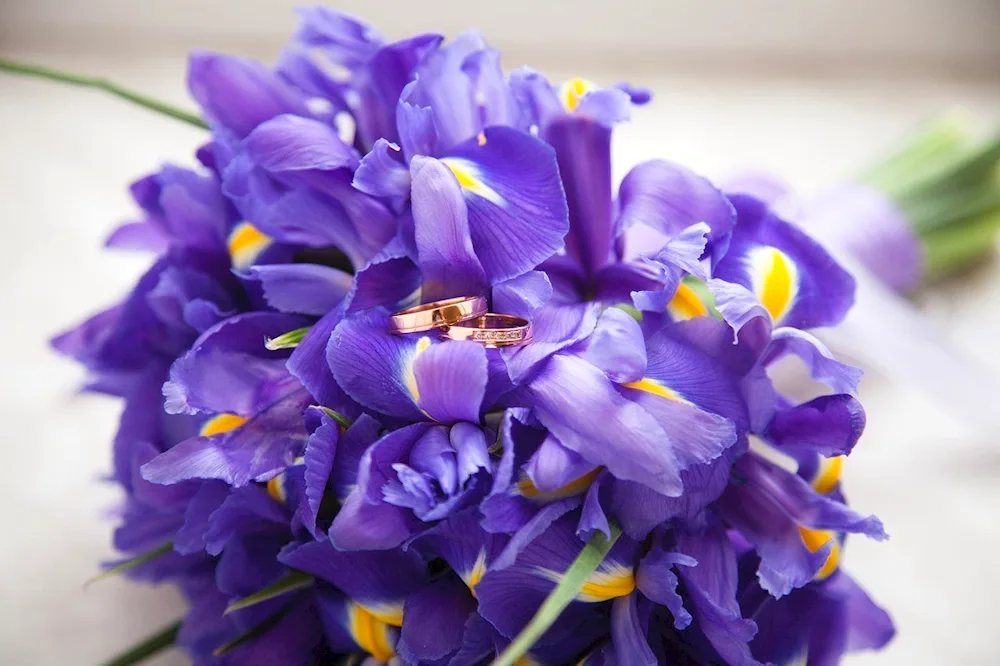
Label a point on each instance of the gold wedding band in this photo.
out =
(491, 330)
(438, 314)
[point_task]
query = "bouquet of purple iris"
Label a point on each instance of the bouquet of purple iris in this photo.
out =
(409, 383)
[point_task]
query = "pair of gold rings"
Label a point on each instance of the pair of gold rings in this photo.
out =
(464, 318)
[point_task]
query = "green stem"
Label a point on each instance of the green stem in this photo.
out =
(572, 582)
(40, 72)
(148, 647)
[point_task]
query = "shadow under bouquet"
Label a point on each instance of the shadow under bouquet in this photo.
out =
(409, 382)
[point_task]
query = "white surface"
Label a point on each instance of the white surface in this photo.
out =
(907, 33)
(67, 156)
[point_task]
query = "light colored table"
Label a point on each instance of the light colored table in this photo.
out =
(66, 157)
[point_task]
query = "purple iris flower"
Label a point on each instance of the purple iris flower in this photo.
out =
(430, 494)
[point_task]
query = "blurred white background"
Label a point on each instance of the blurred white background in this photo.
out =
(810, 90)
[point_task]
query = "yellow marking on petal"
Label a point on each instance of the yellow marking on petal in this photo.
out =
(656, 388)
(527, 660)
(389, 613)
(245, 244)
(606, 583)
(828, 475)
(222, 423)
(571, 92)
(276, 488)
(685, 304)
(816, 539)
(409, 378)
(476, 573)
(372, 635)
(467, 174)
(481, 138)
(575, 487)
(775, 280)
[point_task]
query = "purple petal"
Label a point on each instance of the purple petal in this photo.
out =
(445, 252)
(553, 466)
(374, 366)
(828, 425)
(294, 143)
(629, 634)
(228, 368)
(435, 620)
(658, 582)
(516, 206)
(617, 347)
(308, 364)
(373, 578)
(451, 381)
(583, 148)
(523, 295)
(712, 588)
(382, 174)
(190, 538)
(578, 404)
(840, 377)
(239, 94)
(554, 328)
(308, 289)
(255, 451)
(360, 525)
(803, 286)
(670, 198)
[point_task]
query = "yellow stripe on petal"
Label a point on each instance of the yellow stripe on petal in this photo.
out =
(605, 583)
(409, 378)
(775, 280)
(245, 244)
(221, 423)
(571, 92)
(656, 388)
(816, 539)
(686, 304)
(828, 474)
(476, 573)
(391, 614)
(578, 486)
(471, 181)
(276, 488)
(527, 660)
(372, 635)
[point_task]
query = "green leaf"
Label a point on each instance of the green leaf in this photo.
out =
(294, 580)
(631, 310)
(288, 340)
(955, 247)
(569, 586)
(132, 563)
(99, 83)
(342, 420)
(150, 646)
(250, 634)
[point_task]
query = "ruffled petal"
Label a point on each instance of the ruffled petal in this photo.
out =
(829, 425)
